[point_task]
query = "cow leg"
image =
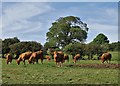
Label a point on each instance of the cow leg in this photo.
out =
(74, 60)
(32, 61)
(107, 61)
(37, 61)
(24, 61)
(102, 61)
(42, 61)
(56, 63)
(60, 64)
(10, 61)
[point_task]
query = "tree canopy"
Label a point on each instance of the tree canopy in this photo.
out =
(22, 47)
(74, 48)
(100, 39)
(115, 46)
(67, 30)
(15, 47)
(7, 42)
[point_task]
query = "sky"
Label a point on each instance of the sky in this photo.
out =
(59, 0)
(30, 21)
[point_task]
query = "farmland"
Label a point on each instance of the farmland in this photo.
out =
(83, 72)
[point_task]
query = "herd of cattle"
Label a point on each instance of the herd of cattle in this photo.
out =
(59, 57)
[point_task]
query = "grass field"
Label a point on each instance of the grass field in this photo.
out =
(48, 73)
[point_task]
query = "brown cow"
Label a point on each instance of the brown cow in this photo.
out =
(8, 58)
(35, 56)
(58, 58)
(106, 57)
(48, 57)
(66, 57)
(23, 57)
(76, 57)
(40, 55)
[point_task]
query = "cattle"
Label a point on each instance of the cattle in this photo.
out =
(23, 57)
(58, 58)
(48, 57)
(66, 57)
(106, 57)
(8, 58)
(76, 57)
(40, 55)
(35, 56)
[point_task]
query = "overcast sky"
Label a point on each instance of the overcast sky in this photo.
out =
(30, 21)
(59, 0)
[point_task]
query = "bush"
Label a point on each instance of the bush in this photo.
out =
(21, 47)
(74, 48)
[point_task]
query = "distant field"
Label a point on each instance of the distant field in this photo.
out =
(70, 73)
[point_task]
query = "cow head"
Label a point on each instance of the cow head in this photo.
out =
(18, 62)
(29, 61)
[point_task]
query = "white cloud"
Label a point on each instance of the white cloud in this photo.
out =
(23, 27)
(106, 23)
(102, 27)
(26, 31)
(110, 31)
(20, 11)
(18, 20)
(105, 16)
(18, 14)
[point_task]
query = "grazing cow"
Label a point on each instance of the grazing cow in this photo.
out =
(66, 57)
(35, 56)
(106, 57)
(23, 57)
(8, 58)
(76, 57)
(48, 57)
(58, 58)
(40, 55)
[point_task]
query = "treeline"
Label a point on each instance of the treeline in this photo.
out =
(16, 47)
(91, 49)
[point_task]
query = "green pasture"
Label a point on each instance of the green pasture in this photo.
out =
(49, 73)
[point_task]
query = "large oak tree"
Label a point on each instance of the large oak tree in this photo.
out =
(67, 30)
